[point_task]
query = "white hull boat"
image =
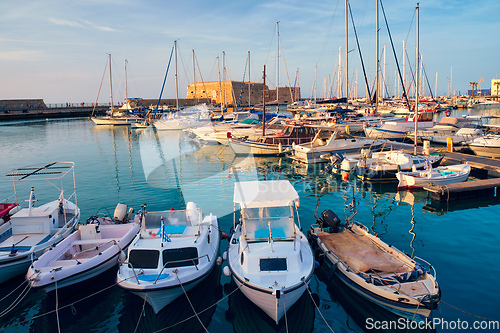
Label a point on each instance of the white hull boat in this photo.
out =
(93, 249)
(33, 230)
(397, 130)
(337, 143)
(437, 176)
(268, 256)
(376, 271)
(487, 145)
(174, 251)
(116, 120)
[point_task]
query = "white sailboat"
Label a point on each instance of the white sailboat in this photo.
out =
(116, 117)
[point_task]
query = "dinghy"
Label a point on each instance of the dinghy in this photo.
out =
(376, 271)
(93, 249)
(438, 176)
(268, 256)
(174, 251)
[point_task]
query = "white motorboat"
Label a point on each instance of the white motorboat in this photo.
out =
(376, 271)
(397, 130)
(190, 117)
(93, 249)
(34, 229)
(268, 256)
(438, 176)
(385, 165)
(326, 142)
(487, 145)
(174, 251)
(459, 129)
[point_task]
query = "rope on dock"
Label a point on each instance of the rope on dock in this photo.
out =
(317, 308)
(467, 313)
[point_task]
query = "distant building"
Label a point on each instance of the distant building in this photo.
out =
(495, 87)
(246, 93)
(479, 92)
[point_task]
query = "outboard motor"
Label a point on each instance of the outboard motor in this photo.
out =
(330, 219)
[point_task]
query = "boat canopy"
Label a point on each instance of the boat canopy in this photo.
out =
(271, 193)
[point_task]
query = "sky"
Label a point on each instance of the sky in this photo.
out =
(57, 50)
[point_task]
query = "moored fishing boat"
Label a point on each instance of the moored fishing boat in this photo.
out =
(376, 271)
(276, 144)
(174, 251)
(91, 250)
(268, 256)
(437, 176)
(32, 230)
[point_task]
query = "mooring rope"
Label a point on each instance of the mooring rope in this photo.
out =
(317, 308)
(18, 300)
(190, 304)
(142, 313)
(57, 309)
(286, 319)
(467, 313)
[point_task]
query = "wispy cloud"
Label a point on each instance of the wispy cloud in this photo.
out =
(81, 24)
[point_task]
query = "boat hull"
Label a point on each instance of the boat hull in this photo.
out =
(310, 156)
(245, 147)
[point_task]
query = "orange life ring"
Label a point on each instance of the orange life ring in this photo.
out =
(447, 113)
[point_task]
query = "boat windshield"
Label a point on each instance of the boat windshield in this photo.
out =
(261, 223)
(190, 217)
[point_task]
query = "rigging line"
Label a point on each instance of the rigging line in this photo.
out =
(395, 57)
(142, 313)
(286, 70)
(201, 76)
(190, 304)
(100, 86)
(427, 80)
(359, 51)
(164, 81)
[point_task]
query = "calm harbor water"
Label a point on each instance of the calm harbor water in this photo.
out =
(168, 169)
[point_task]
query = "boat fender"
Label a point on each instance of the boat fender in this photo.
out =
(224, 256)
(330, 219)
(226, 271)
(120, 212)
(14, 210)
(219, 261)
(122, 256)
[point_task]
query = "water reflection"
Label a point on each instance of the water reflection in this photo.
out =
(368, 316)
(247, 317)
(177, 316)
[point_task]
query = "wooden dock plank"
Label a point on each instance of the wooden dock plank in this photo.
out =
(470, 189)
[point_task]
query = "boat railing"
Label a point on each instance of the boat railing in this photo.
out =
(93, 248)
(431, 268)
(180, 261)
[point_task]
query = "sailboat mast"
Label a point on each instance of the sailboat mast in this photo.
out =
(277, 66)
(176, 79)
(346, 52)
(417, 80)
(110, 84)
(126, 85)
(264, 103)
(249, 85)
(376, 66)
(194, 80)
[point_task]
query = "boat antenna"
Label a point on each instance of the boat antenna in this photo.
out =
(352, 207)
